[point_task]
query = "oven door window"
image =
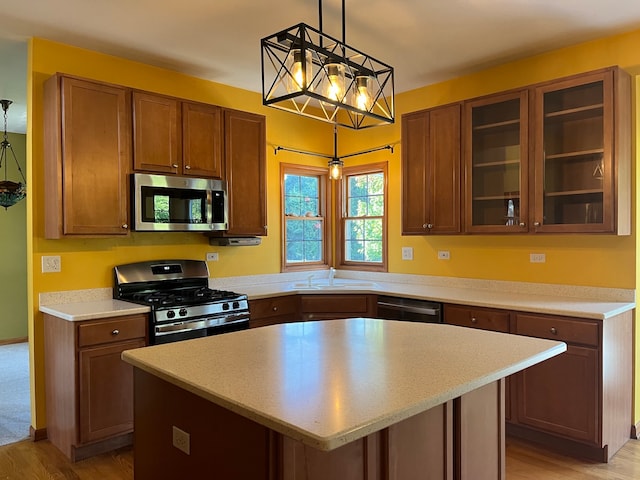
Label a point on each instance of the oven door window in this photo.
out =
(173, 205)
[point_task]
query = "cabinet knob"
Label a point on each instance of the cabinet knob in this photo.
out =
(175, 165)
(275, 309)
(115, 332)
(522, 224)
(554, 330)
(187, 167)
(537, 224)
(125, 226)
(474, 320)
(427, 225)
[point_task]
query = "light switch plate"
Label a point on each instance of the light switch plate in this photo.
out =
(50, 263)
(537, 258)
(407, 253)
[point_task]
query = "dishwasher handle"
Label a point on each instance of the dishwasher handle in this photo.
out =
(410, 309)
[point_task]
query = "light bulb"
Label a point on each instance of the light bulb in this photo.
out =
(335, 169)
(362, 95)
(298, 71)
(334, 87)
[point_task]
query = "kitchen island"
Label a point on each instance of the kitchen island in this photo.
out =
(341, 399)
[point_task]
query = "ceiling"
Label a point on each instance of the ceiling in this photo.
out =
(426, 41)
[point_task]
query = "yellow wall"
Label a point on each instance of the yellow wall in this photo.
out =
(607, 261)
(13, 254)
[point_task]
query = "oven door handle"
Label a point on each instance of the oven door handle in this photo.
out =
(233, 318)
(181, 327)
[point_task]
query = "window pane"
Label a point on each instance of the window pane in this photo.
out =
(312, 230)
(292, 206)
(357, 186)
(375, 184)
(373, 229)
(373, 252)
(313, 251)
(292, 185)
(376, 206)
(295, 251)
(354, 230)
(309, 186)
(354, 251)
(309, 206)
(295, 230)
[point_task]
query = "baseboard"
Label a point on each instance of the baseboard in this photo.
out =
(37, 435)
(11, 341)
(635, 431)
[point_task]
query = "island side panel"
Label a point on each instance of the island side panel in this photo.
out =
(222, 444)
(479, 423)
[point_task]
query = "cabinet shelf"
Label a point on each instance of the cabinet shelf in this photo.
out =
(488, 198)
(579, 153)
(584, 111)
(573, 193)
(499, 163)
(496, 125)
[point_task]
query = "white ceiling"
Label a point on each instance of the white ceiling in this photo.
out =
(426, 41)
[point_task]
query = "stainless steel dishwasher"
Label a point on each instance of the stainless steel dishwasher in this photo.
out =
(409, 309)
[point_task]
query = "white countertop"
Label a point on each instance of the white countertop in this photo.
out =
(90, 310)
(330, 382)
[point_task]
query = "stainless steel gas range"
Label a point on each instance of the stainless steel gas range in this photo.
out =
(182, 304)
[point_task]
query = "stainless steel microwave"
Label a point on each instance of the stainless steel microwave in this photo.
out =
(177, 204)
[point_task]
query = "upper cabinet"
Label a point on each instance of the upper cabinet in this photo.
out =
(431, 171)
(582, 154)
(245, 167)
(171, 136)
(551, 158)
(496, 163)
(87, 157)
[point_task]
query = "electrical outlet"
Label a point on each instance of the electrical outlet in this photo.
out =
(212, 257)
(537, 258)
(407, 253)
(50, 263)
(181, 440)
(444, 255)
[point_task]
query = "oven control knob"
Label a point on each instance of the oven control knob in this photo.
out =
(236, 305)
(171, 314)
(225, 306)
(182, 312)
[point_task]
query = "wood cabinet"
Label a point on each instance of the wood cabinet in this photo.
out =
(171, 136)
(578, 402)
(327, 306)
(89, 389)
(496, 163)
(582, 154)
(245, 167)
(274, 310)
(551, 158)
(431, 167)
(87, 158)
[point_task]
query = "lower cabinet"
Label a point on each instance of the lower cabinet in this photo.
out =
(89, 389)
(274, 310)
(579, 402)
(324, 307)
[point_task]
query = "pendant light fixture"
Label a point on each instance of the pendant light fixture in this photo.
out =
(10, 192)
(335, 163)
(310, 73)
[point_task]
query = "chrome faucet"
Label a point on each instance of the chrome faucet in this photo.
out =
(332, 273)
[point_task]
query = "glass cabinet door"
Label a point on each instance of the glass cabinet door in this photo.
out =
(573, 169)
(496, 151)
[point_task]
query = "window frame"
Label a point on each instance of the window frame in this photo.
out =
(341, 216)
(324, 209)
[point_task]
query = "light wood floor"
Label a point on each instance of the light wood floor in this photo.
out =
(39, 461)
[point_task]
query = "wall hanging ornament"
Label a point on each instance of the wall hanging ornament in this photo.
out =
(10, 192)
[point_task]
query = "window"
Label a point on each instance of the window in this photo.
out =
(363, 225)
(306, 227)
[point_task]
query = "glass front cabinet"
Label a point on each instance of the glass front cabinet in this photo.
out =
(496, 163)
(553, 158)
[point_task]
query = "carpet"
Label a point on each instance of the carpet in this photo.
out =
(15, 398)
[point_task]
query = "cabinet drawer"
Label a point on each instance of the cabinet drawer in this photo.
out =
(271, 307)
(483, 318)
(558, 328)
(113, 330)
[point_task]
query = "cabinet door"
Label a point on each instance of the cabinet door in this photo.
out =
(477, 317)
(201, 140)
(106, 391)
(575, 170)
(87, 158)
(496, 164)
(431, 171)
(271, 311)
(156, 137)
(560, 395)
(320, 307)
(245, 169)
